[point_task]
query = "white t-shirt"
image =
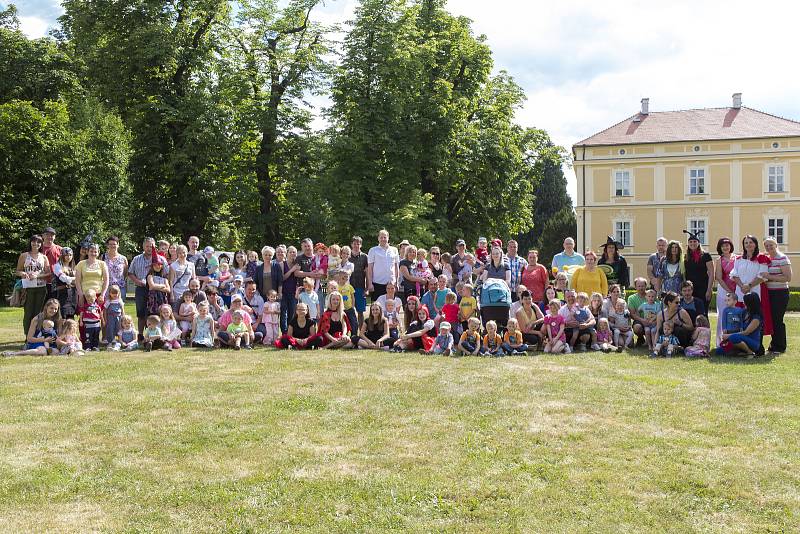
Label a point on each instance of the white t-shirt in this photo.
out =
(183, 275)
(747, 271)
(384, 263)
(256, 302)
(398, 304)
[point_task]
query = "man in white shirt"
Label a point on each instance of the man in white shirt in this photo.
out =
(383, 263)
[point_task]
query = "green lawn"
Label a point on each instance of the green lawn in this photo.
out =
(363, 441)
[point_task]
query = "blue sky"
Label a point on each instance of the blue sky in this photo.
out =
(586, 65)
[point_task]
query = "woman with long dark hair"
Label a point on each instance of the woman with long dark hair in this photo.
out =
(699, 268)
(672, 269)
(749, 273)
(617, 262)
(33, 268)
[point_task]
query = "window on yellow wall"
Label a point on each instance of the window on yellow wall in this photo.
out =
(775, 179)
(697, 181)
(622, 183)
(775, 229)
(622, 232)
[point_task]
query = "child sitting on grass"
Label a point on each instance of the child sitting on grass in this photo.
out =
(443, 343)
(667, 342)
(127, 337)
(620, 323)
(492, 342)
(70, 338)
(238, 331)
(701, 339)
(512, 340)
(605, 339)
(470, 342)
(203, 331)
(152, 335)
(553, 329)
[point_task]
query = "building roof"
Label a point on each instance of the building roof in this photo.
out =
(694, 125)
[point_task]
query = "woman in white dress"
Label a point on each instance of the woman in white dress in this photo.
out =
(749, 274)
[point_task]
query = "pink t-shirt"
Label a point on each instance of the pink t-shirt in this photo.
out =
(553, 324)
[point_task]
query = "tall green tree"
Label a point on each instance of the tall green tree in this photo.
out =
(154, 62)
(281, 58)
(422, 135)
(63, 153)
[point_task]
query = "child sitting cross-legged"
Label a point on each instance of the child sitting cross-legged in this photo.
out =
(512, 339)
(667, 342)
(470, 342)
(492, 342)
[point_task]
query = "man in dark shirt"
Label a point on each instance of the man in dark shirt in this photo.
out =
(359, 277)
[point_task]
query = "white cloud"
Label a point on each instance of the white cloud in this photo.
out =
(34, 27)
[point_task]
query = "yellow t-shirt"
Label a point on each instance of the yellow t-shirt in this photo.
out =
(348, 295)
(468, 307)
(91, 278)
(589, 282)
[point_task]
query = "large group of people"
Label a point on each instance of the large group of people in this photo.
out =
(402, 298)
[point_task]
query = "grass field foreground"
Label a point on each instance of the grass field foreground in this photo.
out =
(365, 441)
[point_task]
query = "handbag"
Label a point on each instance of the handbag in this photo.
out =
(18, 296)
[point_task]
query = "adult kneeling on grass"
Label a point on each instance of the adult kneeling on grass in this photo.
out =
(748, 341)
(227, 340)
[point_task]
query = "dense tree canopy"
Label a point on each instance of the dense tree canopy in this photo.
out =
(191, 117)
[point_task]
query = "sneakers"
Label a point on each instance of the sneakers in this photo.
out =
(619, 349)
(248, 347)
(168, 347)
(595, 346)
(567, 349)
(653, 354)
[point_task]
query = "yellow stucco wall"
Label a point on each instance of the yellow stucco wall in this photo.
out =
(720, 180)
(794, 179)
(643, 188)
(602, 184)
(675, 182)
(752, 180)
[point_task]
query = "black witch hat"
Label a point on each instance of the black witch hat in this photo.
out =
(611, 241)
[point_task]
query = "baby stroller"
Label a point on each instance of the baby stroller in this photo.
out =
(495, 302)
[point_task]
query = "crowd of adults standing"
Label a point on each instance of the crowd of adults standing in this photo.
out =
(56, 282)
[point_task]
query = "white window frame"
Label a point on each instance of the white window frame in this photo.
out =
(784, 228)
(704, 235)
(705, 177)
(769, 185)
(629, 222)
(614, 183)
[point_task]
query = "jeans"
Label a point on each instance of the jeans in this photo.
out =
(509, 349)
(288, 304)
(778, 301)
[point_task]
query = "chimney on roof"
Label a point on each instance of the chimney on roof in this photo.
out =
(737, 100)
(645, 106)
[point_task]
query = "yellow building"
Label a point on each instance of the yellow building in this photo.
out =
(729, 171)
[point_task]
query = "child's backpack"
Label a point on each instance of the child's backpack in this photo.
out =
(495, 292)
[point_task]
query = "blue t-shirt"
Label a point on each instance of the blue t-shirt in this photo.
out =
(440, 296)
(561, 260)
(649, 311)
(581, 314)
(732, 320)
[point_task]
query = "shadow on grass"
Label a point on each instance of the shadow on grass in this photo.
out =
(741, 360)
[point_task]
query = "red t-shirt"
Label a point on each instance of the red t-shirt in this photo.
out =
(450, 312)
(52, 253)
(535, 281)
